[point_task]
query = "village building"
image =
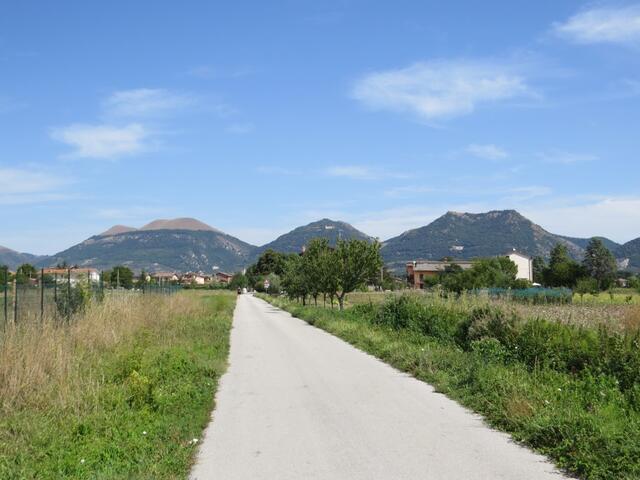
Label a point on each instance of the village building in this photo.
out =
(165, 277)
(223, 277)
(75, 274)
(419, 270)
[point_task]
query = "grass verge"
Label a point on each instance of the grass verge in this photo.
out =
(121, 392)
(583, 420)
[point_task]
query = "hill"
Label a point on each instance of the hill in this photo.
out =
(194, 247)
(582, 243)
(297, 238)
(13, 259)
(470, 235)
(631, 251)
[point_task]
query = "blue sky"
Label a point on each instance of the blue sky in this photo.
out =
(256, 117)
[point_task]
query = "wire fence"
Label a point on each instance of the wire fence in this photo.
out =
(58, 296)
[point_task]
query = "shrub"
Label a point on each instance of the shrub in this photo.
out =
(486, 322)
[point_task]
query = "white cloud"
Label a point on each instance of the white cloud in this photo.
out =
(239, 128)
(440, 89)
(22, 186)
(145, 102)
(102, 141)
(603, 25)
(488, 152)
(361, 172)
(615, 217)
(567, 158)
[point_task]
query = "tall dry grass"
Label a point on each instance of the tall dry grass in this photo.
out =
(44, 363)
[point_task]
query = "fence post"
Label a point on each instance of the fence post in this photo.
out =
(15, 301)
(68, 294)
(41, 294)
(6, 295)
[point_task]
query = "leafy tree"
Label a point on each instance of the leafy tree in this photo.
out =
(539, 267)
(270, 262)
(120, 276)
(563, 271)
(239, 280)
(294, 281)
(586, 285)
(275, 284)
(314, 266)
(4, 272)
(356, 262)
(485, 273)
(25, 272)
(599, 263)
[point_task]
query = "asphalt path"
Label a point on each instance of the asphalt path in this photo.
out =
(299, 403)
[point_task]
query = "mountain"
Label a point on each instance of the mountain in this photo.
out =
(631, 251)
(470, 235)
(330, 229)
(179, 224)
(117, 229)
(13, 259)
(583, 242)
(174, 245)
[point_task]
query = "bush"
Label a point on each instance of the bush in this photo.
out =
(486, 322)
(406, 312)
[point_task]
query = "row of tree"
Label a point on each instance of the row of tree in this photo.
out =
(596, 272)
(320, 271)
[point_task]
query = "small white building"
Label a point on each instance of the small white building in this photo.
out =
(523, 262)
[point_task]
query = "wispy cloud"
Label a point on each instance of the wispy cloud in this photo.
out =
(240, 128)
(487, 152)
(566, 158)
(616, 217)
(619, 25)
(145, 102)
(361, 172)
(441, 89)
(25, 186)
(102, 141)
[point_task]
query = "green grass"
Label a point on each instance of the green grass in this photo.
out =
(143, 401)
(583, 421)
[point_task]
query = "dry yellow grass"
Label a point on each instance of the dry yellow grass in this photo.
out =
(40, 363)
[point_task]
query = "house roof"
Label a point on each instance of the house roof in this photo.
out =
(516, 252)
(438, 265)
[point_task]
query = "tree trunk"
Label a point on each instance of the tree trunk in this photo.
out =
(341, 301)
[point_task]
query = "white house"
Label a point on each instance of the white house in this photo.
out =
(524, 264)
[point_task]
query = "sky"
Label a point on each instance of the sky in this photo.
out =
(257, 117)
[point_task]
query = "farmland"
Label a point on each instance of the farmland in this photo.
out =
(123, 390)
(565, 386)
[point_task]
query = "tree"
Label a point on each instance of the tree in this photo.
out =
(497, 272)
(599, 263)
(25, 272)
(4, 271)
(563, 271)
(356, 262)
(314, 266)
(539, 267)
(294, 281)
(120, 276)
(270, 262)
(239, 280)
(586, 285)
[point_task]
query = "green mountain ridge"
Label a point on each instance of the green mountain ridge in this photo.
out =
(187, 244)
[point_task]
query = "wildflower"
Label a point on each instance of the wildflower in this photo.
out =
(82, 461)
(559, 389)
(546, 402)
(144, 432)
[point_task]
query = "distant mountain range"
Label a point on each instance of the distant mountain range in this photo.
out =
(13, 259)
(297, 238)
(186, 244)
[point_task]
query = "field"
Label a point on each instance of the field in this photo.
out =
(123, 390)
(592, 311)
(568, 389)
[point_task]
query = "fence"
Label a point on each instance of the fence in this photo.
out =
(58, 296)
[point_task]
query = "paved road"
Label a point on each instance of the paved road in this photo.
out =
(298, 403)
